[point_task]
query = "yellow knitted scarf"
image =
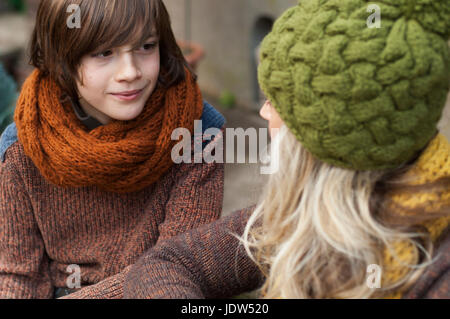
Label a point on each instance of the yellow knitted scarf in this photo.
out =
(434, 163)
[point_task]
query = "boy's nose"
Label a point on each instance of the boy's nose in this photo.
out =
(128, 70)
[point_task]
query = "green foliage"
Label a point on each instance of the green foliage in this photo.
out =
(227, 99)
(8, 97)
(18, 5)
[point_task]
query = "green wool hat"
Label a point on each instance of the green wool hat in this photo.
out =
(358, 97)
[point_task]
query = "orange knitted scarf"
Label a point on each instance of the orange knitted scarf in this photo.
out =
(123, 156)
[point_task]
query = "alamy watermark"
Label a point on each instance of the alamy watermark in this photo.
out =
(374, 20)
(74, 19)
(373, 280)
(214, 152)
(73, 281)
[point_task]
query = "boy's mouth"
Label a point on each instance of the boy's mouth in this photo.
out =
(128, 95)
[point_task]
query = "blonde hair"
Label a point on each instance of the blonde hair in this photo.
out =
(316, 229)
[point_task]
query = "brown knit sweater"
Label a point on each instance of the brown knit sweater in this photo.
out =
(44, 228)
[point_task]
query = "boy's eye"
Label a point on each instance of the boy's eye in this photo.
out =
(149, 46)
(104, 54)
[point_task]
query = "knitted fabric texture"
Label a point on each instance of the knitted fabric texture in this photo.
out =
(45, 228)
(358, 97)
(123, 156)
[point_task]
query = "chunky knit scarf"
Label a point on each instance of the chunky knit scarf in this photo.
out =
(433, 164)
(123, 156)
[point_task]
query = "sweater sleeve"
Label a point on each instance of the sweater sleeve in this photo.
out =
(207, 262)
(24, 265)
(440, 289)
(196, 196)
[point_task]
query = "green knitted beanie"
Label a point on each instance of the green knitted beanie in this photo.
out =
(358, 97)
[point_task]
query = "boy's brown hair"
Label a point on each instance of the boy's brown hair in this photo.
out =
(56, 50)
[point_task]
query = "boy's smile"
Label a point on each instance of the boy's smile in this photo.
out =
(128, 96)
(117, 83)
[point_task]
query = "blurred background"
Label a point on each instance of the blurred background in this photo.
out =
(220, 39)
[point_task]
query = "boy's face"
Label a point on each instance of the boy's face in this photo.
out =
(117, 83)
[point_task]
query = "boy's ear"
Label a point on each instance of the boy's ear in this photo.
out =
(80, 77)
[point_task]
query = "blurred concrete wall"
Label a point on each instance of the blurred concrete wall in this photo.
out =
(229, 31)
